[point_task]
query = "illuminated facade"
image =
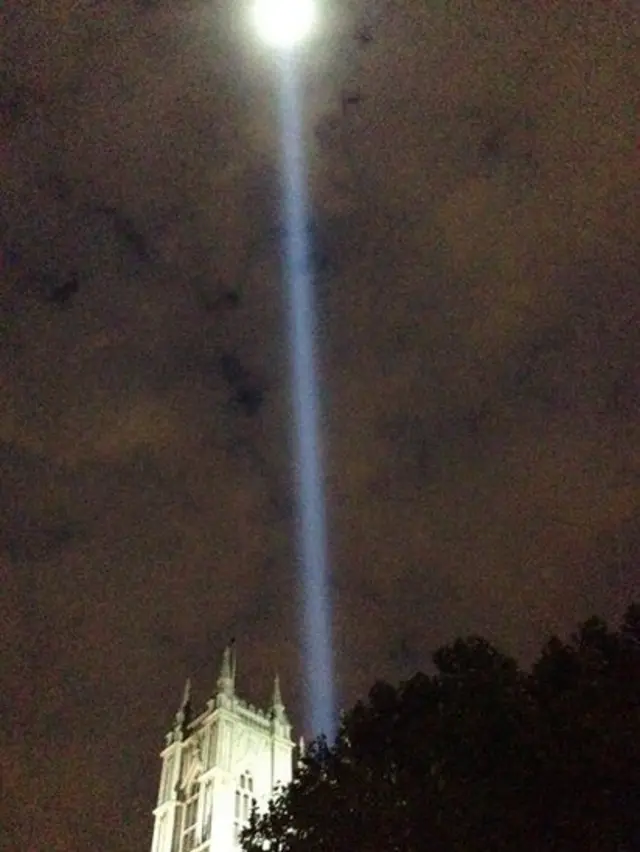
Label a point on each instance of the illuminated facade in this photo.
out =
(215, 766)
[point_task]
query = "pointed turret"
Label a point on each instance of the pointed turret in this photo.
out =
(183, 716)
(232, 653)
(186, 695)
(278, 713)
(276, 697)
(227, 676)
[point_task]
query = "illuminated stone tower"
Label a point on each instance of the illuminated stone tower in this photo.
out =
(215, 765)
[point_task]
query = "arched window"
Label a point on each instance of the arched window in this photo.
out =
(244, 802)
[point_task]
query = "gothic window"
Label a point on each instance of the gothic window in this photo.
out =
(243, 804)
(190, 819)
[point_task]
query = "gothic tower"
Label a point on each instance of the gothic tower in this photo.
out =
(215, 766)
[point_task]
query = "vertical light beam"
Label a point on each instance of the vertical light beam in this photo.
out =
(313, 550)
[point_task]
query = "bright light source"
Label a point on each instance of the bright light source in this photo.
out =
(283, 23)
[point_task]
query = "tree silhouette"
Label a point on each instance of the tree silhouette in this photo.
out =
(481, 755)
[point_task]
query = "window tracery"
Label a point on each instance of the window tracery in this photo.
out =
(243, 805)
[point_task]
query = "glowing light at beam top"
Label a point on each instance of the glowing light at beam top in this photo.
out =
(314, 571)
(284, 23)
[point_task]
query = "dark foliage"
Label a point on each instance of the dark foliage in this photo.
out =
(480, 756)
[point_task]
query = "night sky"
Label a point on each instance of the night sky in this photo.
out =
(474, 185)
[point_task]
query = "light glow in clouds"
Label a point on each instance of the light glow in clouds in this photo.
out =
(283, 23)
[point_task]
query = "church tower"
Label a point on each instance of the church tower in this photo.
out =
(216, 765)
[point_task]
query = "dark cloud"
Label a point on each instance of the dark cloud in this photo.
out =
(473, 172)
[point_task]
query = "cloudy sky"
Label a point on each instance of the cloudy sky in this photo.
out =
(473, 171)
